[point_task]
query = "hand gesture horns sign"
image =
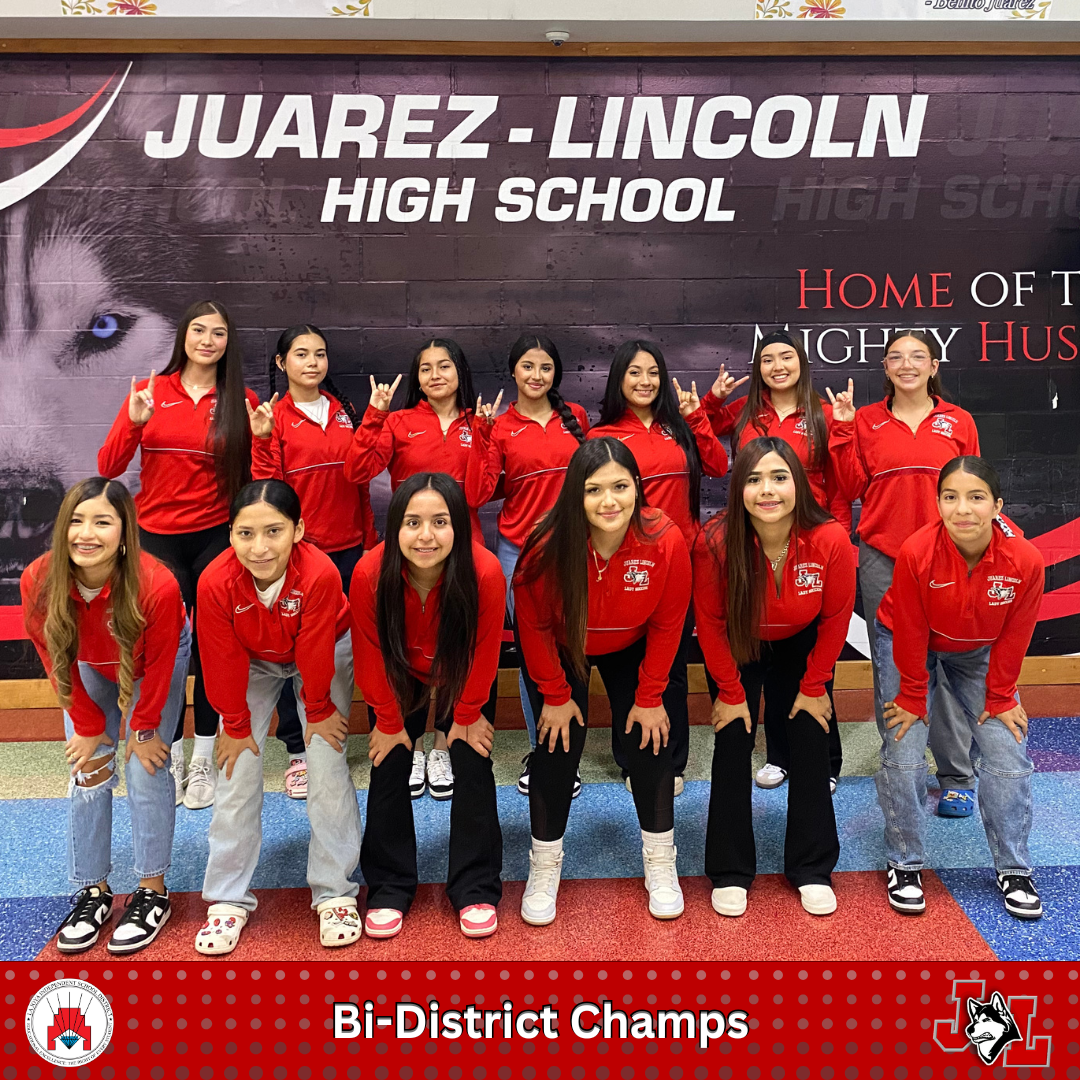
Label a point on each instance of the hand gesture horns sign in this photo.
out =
(689, 402)
(726, 383)
(141, 402)
(262, 418)
(381, 393)
(843, 404)
(488, 412)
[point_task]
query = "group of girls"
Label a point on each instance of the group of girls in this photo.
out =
(600, 542)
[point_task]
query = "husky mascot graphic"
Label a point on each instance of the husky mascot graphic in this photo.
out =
(992, 1027)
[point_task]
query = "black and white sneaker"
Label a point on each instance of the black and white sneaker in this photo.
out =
(523, 779)
(577, 785)
(90, 908)
(905, 891)
(146, 913)
(1021, 896)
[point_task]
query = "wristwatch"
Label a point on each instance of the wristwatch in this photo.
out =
(145, 734)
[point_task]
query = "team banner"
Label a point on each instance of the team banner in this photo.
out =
(698, 202)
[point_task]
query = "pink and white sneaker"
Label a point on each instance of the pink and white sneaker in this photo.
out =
(383, 922)
(479, 920)
(296, 779)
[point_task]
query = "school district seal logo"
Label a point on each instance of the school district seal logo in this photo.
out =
(69, 1023)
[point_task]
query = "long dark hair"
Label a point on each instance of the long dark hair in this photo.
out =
(665, 409)
(558, 548)
(459, 600)
(973, 466)
(285, 343)
(276, 493)
(533, 340)
(933, 387)
(230, 431)
(466, 396)
(734, 543)
(817, 431)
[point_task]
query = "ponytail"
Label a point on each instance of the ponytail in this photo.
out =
(570, 421)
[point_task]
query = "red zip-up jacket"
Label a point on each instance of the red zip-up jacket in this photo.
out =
(724, 417)
(894, 472)
(421, 638)
(178, 489)
(301, 627)
(410, 441)
(533, 459)
(643, 591)
(154, 653)
(661, 461)
(337, 514)
(935, 603)
(818, 582)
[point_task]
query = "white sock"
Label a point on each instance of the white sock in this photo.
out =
(204, 746)
(656, 839)
(554, 846)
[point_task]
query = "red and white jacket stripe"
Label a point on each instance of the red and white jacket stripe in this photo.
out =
(337, 513)
(533, 459)
(894, 471)
(154, 653)
(178, 488)
(422, 636)
(301, 627)
(817, 582)
(643, 591)
(936, 604)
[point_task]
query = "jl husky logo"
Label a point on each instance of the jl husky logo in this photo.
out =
(69, 1022)
(992, 1027)
(26, 183)
(943, 425)
(636, 576)
(290, 605)
(1003, 594)
(808, 579)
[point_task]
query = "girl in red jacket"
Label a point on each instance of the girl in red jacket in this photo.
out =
(528, 446)
(273, 609)
(427, 612)
(964, 600)
(191, 427)
(605, 581)
(888, 454)
(108, 623)
(433, 433)
(302, 439)
(782, 402)
(775, 582)
(668, 433)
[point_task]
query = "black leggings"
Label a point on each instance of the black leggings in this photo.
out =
(289, 729)
(187, 555)
(388, 851)
(552, 773)
(811, 845)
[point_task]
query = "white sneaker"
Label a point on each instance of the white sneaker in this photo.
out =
(538, 900)
(176, 767)
(662, 881)
(770, 776)
(418, 776)
(440, 776)
(201, 781)
(729, 901)
(832, 785)
(818, 899)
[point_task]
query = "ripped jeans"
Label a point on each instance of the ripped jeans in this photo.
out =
(151, 799)
(1001, 764)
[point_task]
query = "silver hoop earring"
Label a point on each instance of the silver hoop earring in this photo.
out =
(123, 550)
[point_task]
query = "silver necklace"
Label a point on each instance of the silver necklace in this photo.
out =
(774, 563)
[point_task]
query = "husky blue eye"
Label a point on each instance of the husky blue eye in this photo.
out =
(104, 326)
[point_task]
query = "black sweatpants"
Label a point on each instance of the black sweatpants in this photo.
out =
(552, 772)
(388, 850)
(187, 555)
(289, 729)
(811, 845)
(675, 704)
(778, 753)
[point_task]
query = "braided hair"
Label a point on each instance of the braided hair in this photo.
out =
(285, 343)
(530, 341)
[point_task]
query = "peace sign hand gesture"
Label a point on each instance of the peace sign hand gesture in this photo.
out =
(843, 404)
(262, 418)
(725, 383)
(488, 412)
(141, 402)
(689, 402)
(381, 393)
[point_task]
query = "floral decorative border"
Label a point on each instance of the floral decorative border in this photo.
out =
(115, 7)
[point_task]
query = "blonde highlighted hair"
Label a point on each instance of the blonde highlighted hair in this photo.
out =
(56, 605)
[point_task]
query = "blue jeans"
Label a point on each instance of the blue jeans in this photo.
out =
(1001, 764)
(332, 810)
(151, 799)
(507, 554)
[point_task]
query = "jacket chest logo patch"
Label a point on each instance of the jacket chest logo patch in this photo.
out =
(342, 418)
(466, 436)
(290, 605)
(800, 426)
(808, 578)
(943, 425)
(1000, 593)
(636, 575)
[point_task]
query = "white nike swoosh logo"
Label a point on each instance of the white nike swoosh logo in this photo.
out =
(882, 424)
(515, 433)
(623, 438)
(240, 609)
(941, 584)
(170, 404)
(413, 434)
(297, 423)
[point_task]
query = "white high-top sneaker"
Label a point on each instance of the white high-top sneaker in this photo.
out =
(538, 900)
(662, 881)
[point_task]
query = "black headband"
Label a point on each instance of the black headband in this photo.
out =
(778, 337)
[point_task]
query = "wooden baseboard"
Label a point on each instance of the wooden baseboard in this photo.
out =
(850, 675)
